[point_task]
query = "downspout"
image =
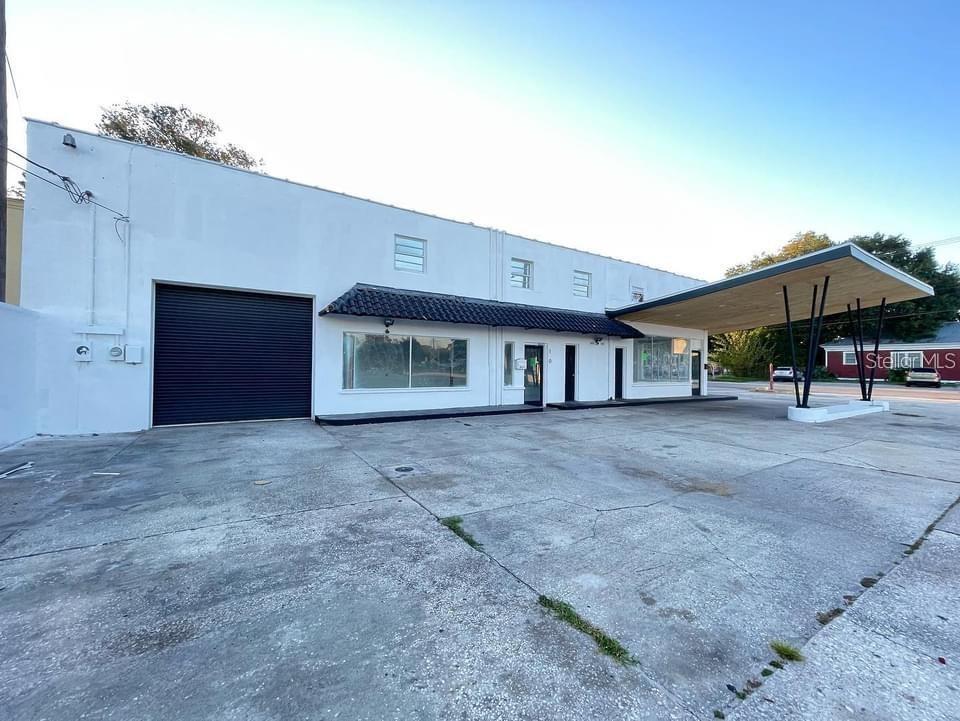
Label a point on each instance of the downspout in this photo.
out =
(93, 267)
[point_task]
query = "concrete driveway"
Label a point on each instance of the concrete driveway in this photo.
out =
(283, 570)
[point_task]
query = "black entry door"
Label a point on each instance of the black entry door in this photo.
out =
(696, 366)
(570, 370)
(533, 375)
(223, 355)
(618, 373)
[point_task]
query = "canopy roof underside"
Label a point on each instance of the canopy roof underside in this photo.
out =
(755, 298)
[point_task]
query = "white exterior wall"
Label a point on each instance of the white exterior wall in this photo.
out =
(18, 377)
(200, 223)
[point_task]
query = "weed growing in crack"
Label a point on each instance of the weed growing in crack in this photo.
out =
(455, 524)
(777, 664)
(717, 713)
(825, 617)
(786, 651)
(767, 672)
(607, 645)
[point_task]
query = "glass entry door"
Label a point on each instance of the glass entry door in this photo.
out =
(696, 368)
(533, 375)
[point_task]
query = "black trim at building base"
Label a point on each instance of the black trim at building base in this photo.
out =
(578, 405)
(356, 419)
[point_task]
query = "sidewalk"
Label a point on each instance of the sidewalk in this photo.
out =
(895, 653)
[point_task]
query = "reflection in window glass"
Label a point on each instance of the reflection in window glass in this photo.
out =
(521, 273)
(582, 282)
(401, 361)
(376, 361)
(409, 253)
(657, 359)
(508, 364)
(438, 362)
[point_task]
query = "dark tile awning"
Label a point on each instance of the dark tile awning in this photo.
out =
(373, 300)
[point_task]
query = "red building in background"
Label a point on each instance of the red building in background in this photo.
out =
(941, 352)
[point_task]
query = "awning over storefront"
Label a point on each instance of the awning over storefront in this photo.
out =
(382, 302)
(754, 299)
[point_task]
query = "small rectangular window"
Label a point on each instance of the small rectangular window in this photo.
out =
(636, 293)
(508, 364)
(849, 358)
(409, 253)
(521, 273)
(582, 283)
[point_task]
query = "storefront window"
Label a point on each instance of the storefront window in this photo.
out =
(663, 360)
(402, 361)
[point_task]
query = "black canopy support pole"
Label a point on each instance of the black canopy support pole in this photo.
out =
(815, 329)
(863, 360)
(793, 347)
(876, 348)
(857, 350)
(813, 322)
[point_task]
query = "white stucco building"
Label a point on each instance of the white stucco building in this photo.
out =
(220, 295)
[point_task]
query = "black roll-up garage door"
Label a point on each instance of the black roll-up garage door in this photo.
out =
(223, 355)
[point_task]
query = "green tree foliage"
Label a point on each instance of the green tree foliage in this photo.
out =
(173, 128)
(744, 352)
(907, 321)
(800, 244)
(914, 319)
(753, 350)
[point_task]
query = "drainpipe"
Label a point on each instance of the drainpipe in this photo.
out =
(93, 267)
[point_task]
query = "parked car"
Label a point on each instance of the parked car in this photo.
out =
(785, 373)
(923, 377)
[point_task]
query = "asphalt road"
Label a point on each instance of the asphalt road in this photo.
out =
(881, 391)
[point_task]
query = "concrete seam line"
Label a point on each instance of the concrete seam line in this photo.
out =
(159, 534)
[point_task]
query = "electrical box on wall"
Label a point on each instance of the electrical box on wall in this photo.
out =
(115, 353)
(133, 353)
(519, 364)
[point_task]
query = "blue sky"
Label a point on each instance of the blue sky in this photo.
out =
(684, 135)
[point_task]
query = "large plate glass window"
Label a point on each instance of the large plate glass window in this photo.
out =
(409, 253)
(661, 360)
(521, 273)
(582, 283)
(438, 362)
(372, 361)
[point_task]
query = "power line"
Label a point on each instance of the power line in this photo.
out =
(77, 195)
(939, 243)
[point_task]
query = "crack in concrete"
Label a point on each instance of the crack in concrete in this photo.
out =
(514, 575)
(173, 531)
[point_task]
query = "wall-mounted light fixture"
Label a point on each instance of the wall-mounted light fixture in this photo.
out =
(597, 341)
(387, 322)
(70, 141)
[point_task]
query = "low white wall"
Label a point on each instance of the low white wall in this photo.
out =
(18, 379)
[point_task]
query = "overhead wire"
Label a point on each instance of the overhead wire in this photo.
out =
(76, 193)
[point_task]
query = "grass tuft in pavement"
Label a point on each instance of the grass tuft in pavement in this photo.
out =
(455, 524)
(607, 645)
(786, 651)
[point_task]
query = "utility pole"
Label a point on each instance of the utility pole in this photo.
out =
(3, 148)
